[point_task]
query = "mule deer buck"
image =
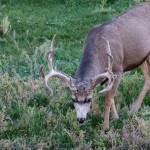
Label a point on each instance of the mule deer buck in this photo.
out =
(110, 49)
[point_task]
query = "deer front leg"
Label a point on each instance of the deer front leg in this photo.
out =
(109, 103)
(145, 67)
(114, 111)
(107, 112)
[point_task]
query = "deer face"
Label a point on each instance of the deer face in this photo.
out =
(82, 99)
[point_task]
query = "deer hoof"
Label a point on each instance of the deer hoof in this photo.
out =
(115, 119)
(134, 109)
(105, 127)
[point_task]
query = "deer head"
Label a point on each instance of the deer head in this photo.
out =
(82, 92)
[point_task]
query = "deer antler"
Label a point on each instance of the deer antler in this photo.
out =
(53, 73)
(108, 74)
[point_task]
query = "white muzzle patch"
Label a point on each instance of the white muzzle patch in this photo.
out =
(82, 109)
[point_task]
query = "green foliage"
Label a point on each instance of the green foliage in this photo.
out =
(32, 119)
(67, 2)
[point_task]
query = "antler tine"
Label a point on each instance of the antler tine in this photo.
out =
(50, 53)
(110, 61)
(43, 76)
(52, 43)
(110, 57)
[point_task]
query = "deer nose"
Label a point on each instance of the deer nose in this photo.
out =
(81, 120)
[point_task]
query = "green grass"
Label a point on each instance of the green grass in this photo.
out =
(29, 116)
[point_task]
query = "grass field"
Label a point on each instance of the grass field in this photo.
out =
(32, 119)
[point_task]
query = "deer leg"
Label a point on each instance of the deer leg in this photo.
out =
(114, 111)
(109, 102)
(145, 67)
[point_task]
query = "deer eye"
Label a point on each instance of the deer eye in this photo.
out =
(74, 100)
(89, 100)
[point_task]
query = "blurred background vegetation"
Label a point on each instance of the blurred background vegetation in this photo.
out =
(32, 119)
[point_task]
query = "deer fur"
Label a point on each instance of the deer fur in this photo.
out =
(119, 45)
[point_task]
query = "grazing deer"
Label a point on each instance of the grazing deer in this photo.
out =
(110, 49)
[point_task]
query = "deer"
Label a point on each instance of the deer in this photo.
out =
(110, 49)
